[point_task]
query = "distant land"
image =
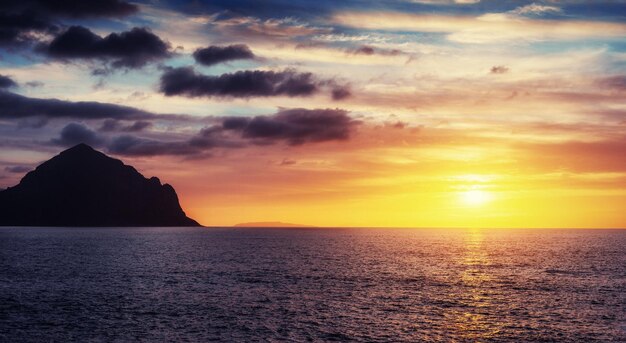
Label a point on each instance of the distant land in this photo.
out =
(270, 224)
(84, 187)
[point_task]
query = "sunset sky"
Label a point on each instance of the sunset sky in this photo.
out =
(412, 113)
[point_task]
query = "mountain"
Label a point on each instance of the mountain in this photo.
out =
(270, 224)
(84, 187)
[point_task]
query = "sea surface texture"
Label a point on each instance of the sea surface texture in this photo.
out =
(201, 284)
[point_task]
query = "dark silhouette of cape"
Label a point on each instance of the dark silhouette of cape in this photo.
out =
(84, 187)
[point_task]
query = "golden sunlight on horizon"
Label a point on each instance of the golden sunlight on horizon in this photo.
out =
(474, 193)
(469, 200)
(476, 197)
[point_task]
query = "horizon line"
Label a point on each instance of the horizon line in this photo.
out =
(410, 227)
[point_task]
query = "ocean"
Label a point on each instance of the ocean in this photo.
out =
(271, 285)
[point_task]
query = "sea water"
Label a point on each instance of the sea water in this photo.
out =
(225, 284)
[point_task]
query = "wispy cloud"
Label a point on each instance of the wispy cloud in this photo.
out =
(445, 2)
(535, 9)
(482, 29)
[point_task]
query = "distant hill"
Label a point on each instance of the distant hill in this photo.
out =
(269, 224)
(84, 187)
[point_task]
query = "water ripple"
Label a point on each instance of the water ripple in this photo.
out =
(362, 285)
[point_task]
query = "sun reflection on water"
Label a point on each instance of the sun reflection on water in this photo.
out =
(470, 319)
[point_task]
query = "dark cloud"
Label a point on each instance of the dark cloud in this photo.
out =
(18, 169)
(235, 123)
(138, 126)
(32, 122)
(104, 71)
(20, 28)
(134, 146)
(130, 49)
(218, 54)
(72, 8)
(340, 93)
(18, 106)
(370, 50)
(499, 70)
(110, 125)
(34, 84)
(295, 126)
(242, 84)
(7, 82)
(365, 50)
(75, 133)
(25, 21)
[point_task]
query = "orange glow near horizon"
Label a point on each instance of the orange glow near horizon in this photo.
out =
(372, 197)
(437, 185)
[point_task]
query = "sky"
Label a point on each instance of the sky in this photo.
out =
(397, 113)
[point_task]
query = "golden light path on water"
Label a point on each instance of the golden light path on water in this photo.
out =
(472, 323)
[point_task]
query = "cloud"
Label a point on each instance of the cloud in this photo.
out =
(617, 82)
(73, 8)
(370, 50)
(32, 123)
(287, 162)
(134, 146)
(218, 54)
(535, 9)
(483, 29)
(340, 93)
(364, 50)
(110, 125)
(241, 84)
(18, 106)
(578, 156)
(130, 49)
(446, 2)
(34, 84)
(75, 133)
(247, 27)
(18, 29)
(18, 169)
(26, 21)
(499, 70)
(138, 126)
(7, 82)
(295, 126)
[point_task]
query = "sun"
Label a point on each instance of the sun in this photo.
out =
(475, 197)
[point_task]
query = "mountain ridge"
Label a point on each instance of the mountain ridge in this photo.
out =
(84, 187)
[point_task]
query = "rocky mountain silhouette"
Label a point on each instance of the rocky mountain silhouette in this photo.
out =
(84, 187)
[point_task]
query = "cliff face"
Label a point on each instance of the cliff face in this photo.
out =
(84, 187)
